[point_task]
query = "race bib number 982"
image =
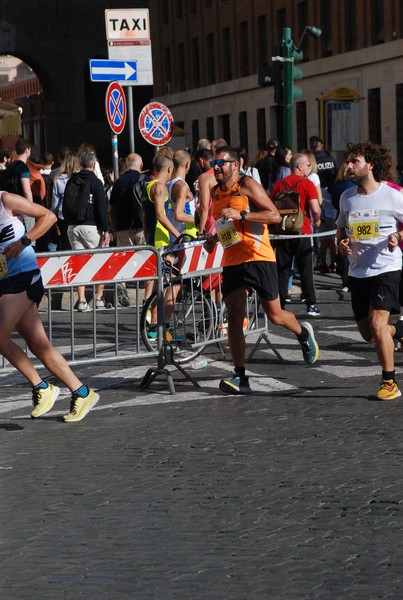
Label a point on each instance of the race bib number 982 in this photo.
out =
(364, 224)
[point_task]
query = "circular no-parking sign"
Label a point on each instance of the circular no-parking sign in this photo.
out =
(115, 104)
(156, 124)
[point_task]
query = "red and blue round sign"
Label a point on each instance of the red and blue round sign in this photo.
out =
(115, 104)
(156, 123)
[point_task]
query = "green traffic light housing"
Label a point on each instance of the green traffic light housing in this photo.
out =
(290, 54)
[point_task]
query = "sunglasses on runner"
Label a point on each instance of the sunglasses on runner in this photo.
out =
(220, 162)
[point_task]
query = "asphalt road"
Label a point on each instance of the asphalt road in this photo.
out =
(293, 492)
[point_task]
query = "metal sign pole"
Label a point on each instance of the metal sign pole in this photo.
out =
(131, 117)
(115, 155)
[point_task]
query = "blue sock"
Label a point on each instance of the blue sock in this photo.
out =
(82, 391)
(41, 386)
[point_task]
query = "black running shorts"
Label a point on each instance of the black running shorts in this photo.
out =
(31, 282)
(259, 275)
(380, 291)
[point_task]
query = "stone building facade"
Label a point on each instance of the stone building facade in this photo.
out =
(208, 54)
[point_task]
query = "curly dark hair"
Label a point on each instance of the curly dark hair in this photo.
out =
(376, 154)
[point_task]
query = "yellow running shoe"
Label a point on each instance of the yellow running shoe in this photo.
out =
(44, 399)
(388, 390)
(79, 407)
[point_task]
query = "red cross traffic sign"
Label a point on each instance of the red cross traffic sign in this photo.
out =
(115, 104)
(156, 124)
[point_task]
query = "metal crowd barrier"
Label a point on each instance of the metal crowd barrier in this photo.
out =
(86, 337)
(198, 319)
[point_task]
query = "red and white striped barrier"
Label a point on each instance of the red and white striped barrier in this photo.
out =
(197, 259)
(79, 269)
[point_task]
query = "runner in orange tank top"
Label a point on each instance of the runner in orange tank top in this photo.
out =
(242, 211)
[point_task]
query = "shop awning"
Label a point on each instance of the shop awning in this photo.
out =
(10, 119)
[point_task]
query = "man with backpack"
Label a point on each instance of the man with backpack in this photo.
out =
(125, 204)
(85, 211)
(126, 210)
(300, 248)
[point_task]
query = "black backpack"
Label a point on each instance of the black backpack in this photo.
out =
(139, 195)
(288, 205)
(8, 182)
(78, 203)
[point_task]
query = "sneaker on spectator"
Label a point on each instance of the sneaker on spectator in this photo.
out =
(82, 306)
(313, 311)
(102, 303)
(123, 296)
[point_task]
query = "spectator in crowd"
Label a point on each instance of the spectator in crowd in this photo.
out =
(94, 232)
(69, 165)
(300, 248)
(267, 165)
(4, 159)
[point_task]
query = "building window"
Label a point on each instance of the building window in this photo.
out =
(374, 115)
(196, 62)
(326, 26)
(378, 22)
(195, 133)
(262, 41)
(224, 128)
(193, 7)
(208, 3)
(399, 123)
(179, 12)
(244, 54)
(302, 141)
(210, 128)
(181, 67)
(281, 22)
(168, 70)
(261, 128)
(350, 24)
(164, 12)
(211, 59)
(243, 130)
(226, 51)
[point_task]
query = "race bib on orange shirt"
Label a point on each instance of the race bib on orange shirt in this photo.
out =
(226, 232)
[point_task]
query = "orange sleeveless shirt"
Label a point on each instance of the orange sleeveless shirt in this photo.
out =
(254, 241)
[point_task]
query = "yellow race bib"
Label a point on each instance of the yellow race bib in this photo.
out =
(3, 266)
(363, 224)
(226, 232)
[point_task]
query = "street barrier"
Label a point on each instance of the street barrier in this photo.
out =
(186, 305)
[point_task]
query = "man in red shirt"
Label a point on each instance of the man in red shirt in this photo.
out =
(301, 248)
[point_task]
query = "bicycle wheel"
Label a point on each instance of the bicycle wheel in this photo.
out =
(190, 325)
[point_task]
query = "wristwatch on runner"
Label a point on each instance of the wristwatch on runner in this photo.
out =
(25, 241)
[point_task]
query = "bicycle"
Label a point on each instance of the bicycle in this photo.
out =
(192, 317)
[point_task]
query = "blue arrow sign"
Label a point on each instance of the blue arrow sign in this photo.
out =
(113, 70)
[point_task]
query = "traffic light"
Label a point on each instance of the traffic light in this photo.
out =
(273, 76)
(296, 74)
